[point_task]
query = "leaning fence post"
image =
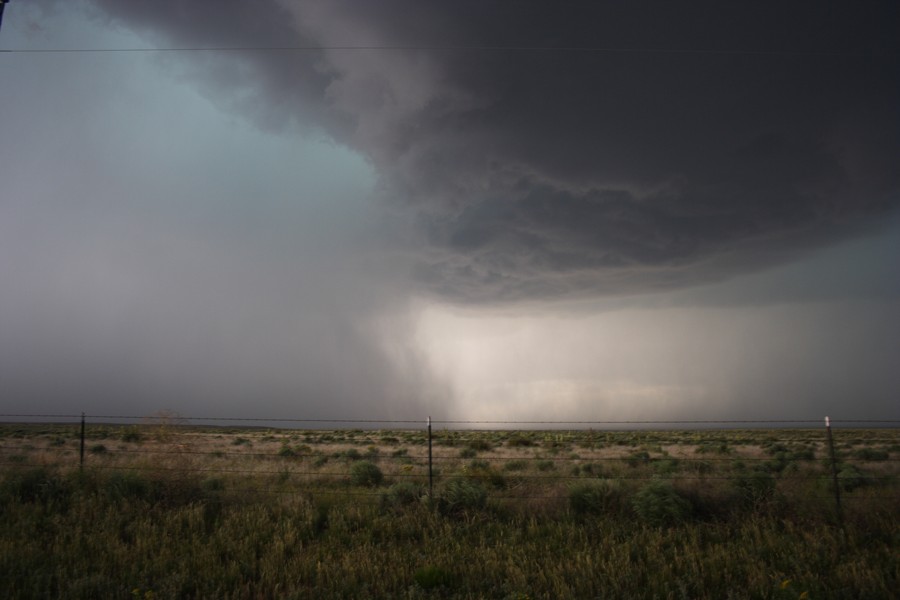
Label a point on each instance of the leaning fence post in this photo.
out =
(834, 474)
(430, 469)
(81, 450)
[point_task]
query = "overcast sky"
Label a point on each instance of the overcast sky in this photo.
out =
(471, 209)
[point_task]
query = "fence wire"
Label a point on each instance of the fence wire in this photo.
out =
(525, 463)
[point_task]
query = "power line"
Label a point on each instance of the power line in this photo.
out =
(458, 48)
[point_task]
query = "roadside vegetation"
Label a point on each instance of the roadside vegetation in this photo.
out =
(191, 512)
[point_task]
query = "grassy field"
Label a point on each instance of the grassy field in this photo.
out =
(162, 510)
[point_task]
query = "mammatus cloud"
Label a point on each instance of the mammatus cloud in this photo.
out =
(703, 142)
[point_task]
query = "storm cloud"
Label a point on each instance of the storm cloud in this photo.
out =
(595, 149)
(487, 210)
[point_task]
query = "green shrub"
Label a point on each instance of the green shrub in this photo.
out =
(480, 445)
(38, 485)
(468, 453)
(286, 451)
(666, 466)
(460, 495)
(98, 449)
(595, 469)
(365, 473)
(851, 478)
(480, 465)
(402, 494)
(132, 434)
(350, 454)
(519, 441)
(870, 454)
(801, 454)
(595, 497)
(637, 458)
(516, 465)
(658, 504)
(125, 485)
(545, 465)
(754, 487)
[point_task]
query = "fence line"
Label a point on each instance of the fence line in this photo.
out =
(784, 452)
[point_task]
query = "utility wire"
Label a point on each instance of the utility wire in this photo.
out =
(459, 48)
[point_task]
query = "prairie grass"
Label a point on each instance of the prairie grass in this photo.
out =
(192, 514)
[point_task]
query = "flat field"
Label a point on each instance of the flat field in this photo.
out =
(165, 510)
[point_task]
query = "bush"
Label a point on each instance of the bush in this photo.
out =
(595, 497)
(132, 434)
(851, 478)
(480, 445)
(286, 451)
(666, 466)
(460, 495)
(870, 454)
(125, 485)
(637, 458)
(516, 465)
(402, 494)
(754, 487)
(37, 485)
(468, 453)
(365, 473)
(519, 441)
(659, 504)
(349, 454)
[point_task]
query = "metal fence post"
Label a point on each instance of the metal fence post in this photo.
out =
(81, 451)
(430, 469)
(834, 474)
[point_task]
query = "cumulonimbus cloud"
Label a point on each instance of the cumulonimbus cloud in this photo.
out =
(545, 150)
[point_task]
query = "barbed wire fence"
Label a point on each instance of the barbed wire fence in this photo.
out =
(523, 460)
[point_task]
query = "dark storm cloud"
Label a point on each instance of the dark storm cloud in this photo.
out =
(711, 139)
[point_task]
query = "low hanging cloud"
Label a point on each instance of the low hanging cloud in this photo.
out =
(703, 142)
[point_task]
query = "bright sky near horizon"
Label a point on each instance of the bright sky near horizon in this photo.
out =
(705, 229)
